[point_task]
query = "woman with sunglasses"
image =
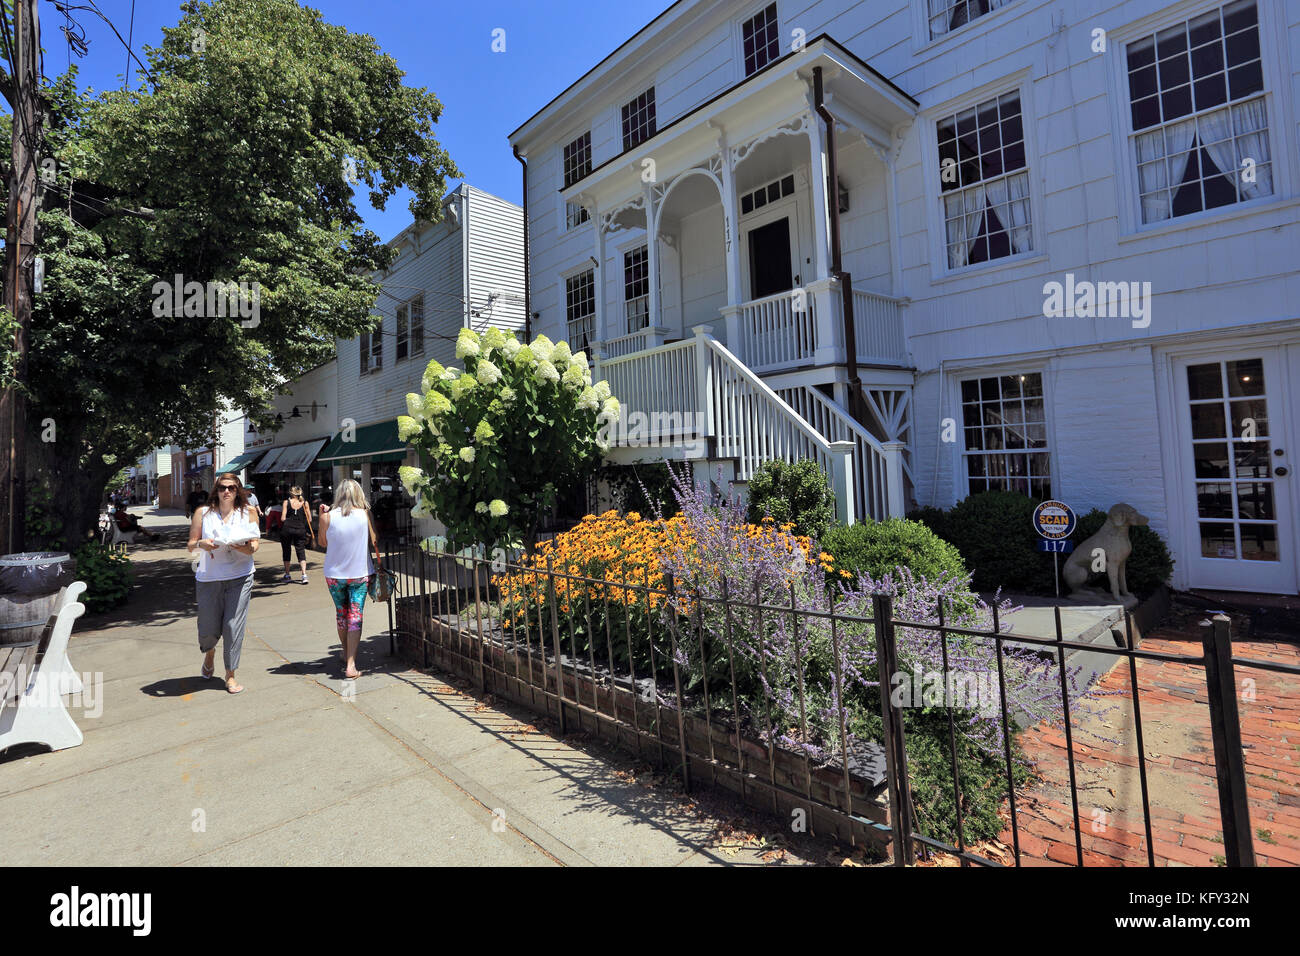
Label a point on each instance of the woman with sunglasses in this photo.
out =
(295, 526)
(225, 531)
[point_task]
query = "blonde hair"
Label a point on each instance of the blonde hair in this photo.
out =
(348, 496)
(296, 491)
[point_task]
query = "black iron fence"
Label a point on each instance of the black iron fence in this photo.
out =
(758, 694)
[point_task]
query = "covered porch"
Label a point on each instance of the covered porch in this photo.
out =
(724, 219)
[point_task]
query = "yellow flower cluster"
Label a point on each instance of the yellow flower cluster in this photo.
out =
(622, 548)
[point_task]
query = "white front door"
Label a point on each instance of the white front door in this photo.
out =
(1236, 443)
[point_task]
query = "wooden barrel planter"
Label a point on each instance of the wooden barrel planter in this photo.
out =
(29, 590)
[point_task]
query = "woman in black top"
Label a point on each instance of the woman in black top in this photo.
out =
(295, 516)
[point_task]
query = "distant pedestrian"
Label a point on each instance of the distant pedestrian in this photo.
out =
(225, 529)
(257, 508)
(348, 536)
(295, 530)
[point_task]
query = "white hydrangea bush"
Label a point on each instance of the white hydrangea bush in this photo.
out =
(502, 437)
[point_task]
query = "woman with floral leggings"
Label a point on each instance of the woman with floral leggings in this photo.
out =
(345, 532)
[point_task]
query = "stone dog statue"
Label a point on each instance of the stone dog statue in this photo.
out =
(1113, 542)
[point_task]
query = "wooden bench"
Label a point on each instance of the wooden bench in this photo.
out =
(31, 685)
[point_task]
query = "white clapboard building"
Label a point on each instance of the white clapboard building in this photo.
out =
(1066, 233)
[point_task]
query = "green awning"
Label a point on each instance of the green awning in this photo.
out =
(370, 443)
(241, 462)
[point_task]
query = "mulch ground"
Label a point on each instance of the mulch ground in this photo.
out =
(1186, 826)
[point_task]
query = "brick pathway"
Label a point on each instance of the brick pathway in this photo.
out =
(1185, 822)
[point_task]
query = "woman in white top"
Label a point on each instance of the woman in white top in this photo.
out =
(225, 531)
(347, 536)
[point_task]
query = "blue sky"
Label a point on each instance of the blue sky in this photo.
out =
(444, 46)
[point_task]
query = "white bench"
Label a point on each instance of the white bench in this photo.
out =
(69, 680)
(31, 701)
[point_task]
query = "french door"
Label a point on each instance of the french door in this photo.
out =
(1237, 433)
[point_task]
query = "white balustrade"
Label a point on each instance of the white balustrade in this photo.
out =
(878, 326)
(779, 331)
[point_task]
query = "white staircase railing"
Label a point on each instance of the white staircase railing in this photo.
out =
(871, 459)
(697, 389)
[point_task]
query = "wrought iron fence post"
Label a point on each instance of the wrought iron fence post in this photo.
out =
(555, 641)
(424, 635)
(900, 804)
(1225, 725)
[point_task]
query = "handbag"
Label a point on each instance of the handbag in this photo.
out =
(382, 581)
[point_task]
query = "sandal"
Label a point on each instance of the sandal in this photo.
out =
(232, 689)
(208, 672)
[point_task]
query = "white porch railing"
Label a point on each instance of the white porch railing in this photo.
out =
(640, 340)
(659, 392)
(878, 327)
(779, 331)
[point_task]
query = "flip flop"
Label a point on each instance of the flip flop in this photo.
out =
(229, 690)
(208, 673)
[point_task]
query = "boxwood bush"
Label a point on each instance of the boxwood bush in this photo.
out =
(876, 548)
(799, 493)
(994, 533)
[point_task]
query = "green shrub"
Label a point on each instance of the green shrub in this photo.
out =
(877, 548)
(107, 574)
(994, 532)
(799, 493)
(1150, 564)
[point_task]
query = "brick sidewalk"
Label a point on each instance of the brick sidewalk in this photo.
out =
(1185, 822)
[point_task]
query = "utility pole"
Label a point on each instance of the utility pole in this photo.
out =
(20, 247)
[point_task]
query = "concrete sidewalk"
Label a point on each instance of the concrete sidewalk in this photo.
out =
(297, 770)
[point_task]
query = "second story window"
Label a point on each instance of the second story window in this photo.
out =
(948, 15)
(639, 119)
(403, 340)
(636, 288)
(985, 182)
(417, 325)
(580, 309)
(577, 164)
(1200, 126)
(372, 350)
(761, 42)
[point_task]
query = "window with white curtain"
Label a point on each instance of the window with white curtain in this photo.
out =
(985, 182)
(947, 15)
(1200, 122)
(1004, 423)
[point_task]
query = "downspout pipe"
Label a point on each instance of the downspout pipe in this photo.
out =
(528, 299)
(837, 266)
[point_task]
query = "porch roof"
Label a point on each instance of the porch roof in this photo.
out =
(872, 99)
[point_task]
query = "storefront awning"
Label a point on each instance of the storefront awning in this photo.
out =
(290, 459)
(370, 443)
(240, 462)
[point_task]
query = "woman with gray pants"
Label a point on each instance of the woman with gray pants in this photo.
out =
(225, 531)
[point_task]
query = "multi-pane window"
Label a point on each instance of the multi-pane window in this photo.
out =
(639, 119)
(577, 164)
(948, 15)
(636, 288)
(1005, 429)
(1200, 126)
(577, 159)
(417, 325)
(985, 182)
(761, 39)
(760, 197)
(403, 341)
(580, 309)
(372, 349)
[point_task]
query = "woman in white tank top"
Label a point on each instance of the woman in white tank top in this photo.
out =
(348, 538)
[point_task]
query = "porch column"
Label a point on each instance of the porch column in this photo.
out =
(652, 252)
(841, 480)
(731, 312)
(821, 214)
(894, 478)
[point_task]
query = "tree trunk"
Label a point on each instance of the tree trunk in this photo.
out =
(77, 490)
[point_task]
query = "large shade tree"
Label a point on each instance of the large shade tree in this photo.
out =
(238, 159)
